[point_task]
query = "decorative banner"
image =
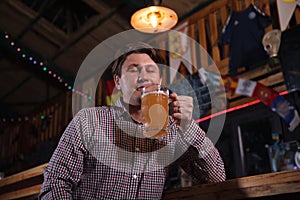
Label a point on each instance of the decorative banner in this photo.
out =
(182, 50)
(111, 94)
(245, 87)
(286, 9)
(266, 95)
(230, 84)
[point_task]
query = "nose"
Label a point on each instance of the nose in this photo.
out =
(143, 76)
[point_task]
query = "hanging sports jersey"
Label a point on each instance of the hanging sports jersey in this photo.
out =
(243, 32)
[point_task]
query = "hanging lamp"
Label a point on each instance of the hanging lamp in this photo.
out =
(154, 18)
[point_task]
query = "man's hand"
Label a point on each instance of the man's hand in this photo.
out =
(182, 109)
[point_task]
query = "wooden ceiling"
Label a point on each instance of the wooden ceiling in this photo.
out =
(60, 33)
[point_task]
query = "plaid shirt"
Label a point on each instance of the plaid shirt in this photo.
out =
(102, 156)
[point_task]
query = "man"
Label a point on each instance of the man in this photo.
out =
(102, 154)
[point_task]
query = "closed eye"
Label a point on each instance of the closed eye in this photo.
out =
(151, 68)
(133, 69)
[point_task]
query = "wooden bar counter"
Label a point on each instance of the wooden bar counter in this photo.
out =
(280, 185)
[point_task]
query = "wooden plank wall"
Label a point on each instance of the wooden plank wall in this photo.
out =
(21, 136)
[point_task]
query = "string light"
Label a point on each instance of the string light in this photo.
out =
(25, 54)
(19, 119)
(33, 59)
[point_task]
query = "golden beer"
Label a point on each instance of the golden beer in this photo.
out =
(155, 113)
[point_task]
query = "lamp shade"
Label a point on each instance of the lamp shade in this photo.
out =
(154, 19)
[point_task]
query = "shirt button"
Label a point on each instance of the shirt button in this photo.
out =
(137, 149)
(135, 176)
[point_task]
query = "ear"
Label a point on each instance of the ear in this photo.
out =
(117, 81)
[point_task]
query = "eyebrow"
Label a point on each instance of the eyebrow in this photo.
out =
(146, 65)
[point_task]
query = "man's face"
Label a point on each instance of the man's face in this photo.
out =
(137, 71)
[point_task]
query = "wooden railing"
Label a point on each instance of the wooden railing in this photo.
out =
(24, 184)
(22, 136)
(206, 26)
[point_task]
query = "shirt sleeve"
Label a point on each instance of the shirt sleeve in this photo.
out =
(66, 164)
(201, 160)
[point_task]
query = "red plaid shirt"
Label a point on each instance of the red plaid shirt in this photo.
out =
(101, 156)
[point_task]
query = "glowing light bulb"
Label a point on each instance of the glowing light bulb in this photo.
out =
(153, 20)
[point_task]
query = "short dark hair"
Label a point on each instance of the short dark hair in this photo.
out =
(140, 47)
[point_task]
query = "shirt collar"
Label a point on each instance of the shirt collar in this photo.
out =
(121, 110)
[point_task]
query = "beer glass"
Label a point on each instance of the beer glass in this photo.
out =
(155, 111)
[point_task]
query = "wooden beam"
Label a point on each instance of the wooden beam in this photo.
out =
(89, 28)
(100, 7)
(36, 171)
(207, 10)
(45, 28)
(13, 90)
(25, 192)
(213, 31)
(37, 17)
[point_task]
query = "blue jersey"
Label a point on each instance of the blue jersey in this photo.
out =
(243, 32)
